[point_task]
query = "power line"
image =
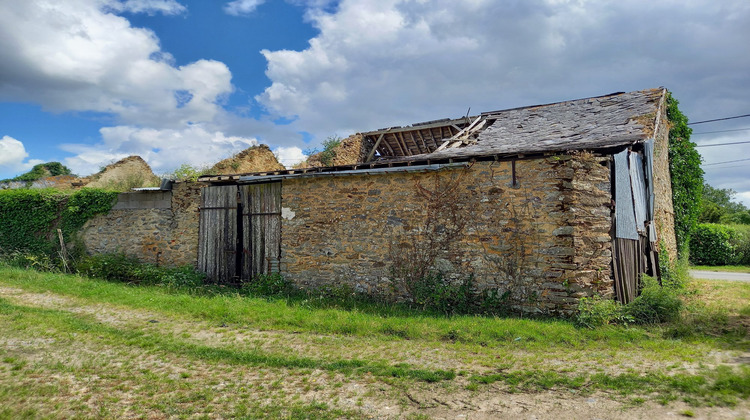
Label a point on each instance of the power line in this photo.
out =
(721, 144)
(719, 119)
(720, 131)
(729, 161)
(727, 167)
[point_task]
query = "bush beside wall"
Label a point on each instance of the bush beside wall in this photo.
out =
(714, 244)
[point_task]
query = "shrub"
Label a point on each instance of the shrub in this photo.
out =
(436, 293)
(597, 311)
(741, 244)
(673, 275)
(655, 304)
(273, 284)
(119, 267)
(713, 244)
(329, 150)
(35, 261)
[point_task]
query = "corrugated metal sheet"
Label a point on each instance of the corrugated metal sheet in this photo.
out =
(625, 224)
(649, 151)
(640, 196)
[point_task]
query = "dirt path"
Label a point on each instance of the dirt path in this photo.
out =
(372, 397)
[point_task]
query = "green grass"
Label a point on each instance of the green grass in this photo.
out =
(726, 268)
(378, 347)
(300, 316)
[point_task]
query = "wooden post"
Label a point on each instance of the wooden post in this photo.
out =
(62, 250)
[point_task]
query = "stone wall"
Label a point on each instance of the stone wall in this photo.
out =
(164, 236)
(663, 208)
(545, 239)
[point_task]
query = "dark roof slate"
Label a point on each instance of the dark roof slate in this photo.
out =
(584, 124)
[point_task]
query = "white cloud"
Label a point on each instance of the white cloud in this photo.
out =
(163, 149)
(76, 56)
(242, 7)
(13, 157)
(744, 198)
(384, 62)
(167, 7)
(289, 156)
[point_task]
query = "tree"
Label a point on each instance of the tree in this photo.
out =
(686, 174)
(44, 170)
(718, 206)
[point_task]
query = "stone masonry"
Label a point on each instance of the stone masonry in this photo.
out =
(546, 237)
(167, 236)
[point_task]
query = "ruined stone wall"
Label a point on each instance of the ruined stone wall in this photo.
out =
(545, 239)
(165, 236)
(663, 208)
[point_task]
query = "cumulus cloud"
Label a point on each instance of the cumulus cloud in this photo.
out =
(163, 149)
(78, 56)
(289, 156)
(242, 7)
(167, 7)
(383, 62)
(13, 156)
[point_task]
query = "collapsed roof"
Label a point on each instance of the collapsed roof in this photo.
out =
(593, 123)
(608, 122)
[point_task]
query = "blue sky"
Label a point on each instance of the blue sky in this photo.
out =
(87, 82)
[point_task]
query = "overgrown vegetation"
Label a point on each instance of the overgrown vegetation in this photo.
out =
(686, 175)
(186, 172)
(655, 304)
(328, 153)
(119, 267)
(32, 217)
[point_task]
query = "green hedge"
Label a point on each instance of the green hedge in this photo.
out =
(30, 218)
(713, 244)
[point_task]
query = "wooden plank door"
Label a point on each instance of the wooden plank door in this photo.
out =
(217, 243)
(261, 228)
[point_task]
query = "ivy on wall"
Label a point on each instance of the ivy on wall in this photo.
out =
(29, 218)
(686, 175)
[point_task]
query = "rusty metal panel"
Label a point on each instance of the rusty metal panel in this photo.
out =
(625, 224)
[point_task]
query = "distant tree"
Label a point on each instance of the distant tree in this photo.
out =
(718, 206)
(44, 170)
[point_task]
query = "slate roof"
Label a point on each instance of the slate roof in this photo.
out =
(600, 123)
(584, 124)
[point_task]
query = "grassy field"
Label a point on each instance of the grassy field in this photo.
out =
(79, 347)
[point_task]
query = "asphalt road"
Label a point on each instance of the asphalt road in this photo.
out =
(720, 275)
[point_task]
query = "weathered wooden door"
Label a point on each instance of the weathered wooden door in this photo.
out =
(261, 225)
(240, 231)
(217, 241)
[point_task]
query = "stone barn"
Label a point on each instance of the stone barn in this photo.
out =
(545, 203)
